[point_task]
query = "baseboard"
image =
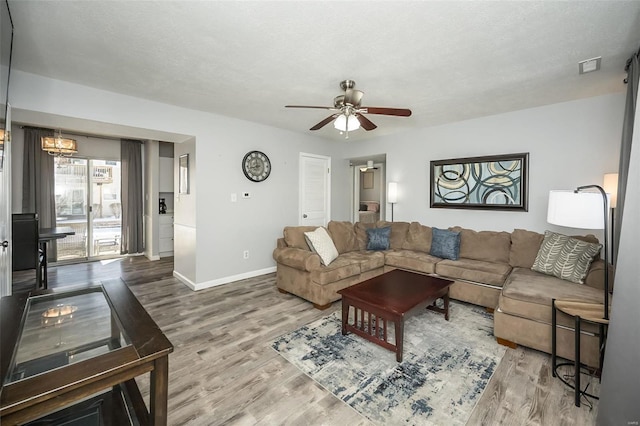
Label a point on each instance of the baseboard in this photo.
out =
(224, 280)
(153, 257)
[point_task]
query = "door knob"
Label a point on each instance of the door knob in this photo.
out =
(4, 244)
(304, 216)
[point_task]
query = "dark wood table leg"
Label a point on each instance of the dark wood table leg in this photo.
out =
(399, 324)
(446, 305)
(159, 391)
(553, 337)
(578, 392)
(345, 316)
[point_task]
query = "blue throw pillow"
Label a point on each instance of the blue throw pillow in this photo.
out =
(445, 244)
(378, 238)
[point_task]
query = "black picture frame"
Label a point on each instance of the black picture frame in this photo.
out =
(494, 182)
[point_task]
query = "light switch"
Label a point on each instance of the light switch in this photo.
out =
(234, 197)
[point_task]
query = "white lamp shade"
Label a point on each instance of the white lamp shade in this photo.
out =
(392, 192)
(344, 123)
(582, 210)
(611, 187)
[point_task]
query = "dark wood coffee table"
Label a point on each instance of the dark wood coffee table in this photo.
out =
(390, 297)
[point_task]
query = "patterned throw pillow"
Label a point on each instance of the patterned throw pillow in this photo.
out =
(378, 238)
(565, 257)
(320, 242)
(445, 244)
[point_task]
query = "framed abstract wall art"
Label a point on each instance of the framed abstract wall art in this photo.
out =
(495, 182)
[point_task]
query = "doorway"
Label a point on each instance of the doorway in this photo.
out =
(87, 198)
(369, 191)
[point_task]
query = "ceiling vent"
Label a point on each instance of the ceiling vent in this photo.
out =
(589, 65)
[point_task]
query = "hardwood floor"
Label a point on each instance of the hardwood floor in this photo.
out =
(223, 370)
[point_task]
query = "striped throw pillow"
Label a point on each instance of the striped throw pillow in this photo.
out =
(565, 257)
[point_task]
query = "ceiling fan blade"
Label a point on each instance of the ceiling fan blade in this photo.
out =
(308, 106)
(365, 122)
(353, 97)
(324, 122)
(388, 111)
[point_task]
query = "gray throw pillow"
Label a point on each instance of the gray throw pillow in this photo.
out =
(378, 238)
(445, 244)
(565, 257)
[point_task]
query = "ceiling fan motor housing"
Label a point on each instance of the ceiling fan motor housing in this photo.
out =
(347, 84)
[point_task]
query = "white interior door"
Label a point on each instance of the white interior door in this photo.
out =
(315, 190)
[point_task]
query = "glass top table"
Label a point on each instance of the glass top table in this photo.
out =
(70, 345)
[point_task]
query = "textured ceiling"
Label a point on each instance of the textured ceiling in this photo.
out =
(446, 61)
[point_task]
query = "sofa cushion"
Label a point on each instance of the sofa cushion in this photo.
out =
(565, 257)
(342, 267)
(490, 246)
(418, 238)
(412, 260)
(445, 244)
(320, 242)
(343, 235)
(294, 236)
(378, 238)
(303, 260)
(398, 232)
(369, 260)
(524, 248)
(474, 270)
(526, 244)
(528, 294)
(361, 234)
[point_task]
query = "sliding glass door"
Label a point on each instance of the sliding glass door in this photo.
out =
(88, 200)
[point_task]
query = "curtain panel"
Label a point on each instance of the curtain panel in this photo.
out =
(132, 196)
(38, 182)
(633, 75)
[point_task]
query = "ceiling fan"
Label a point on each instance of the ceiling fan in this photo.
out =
(348, 113)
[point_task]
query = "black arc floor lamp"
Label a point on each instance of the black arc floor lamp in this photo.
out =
(583, 209)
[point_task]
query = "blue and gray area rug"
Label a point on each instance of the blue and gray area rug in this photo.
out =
(445, 367)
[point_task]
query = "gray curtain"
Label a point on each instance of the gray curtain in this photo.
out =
(38, 182)
(625, 147)
(132, 210)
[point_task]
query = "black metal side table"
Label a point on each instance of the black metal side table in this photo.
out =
(580, 311)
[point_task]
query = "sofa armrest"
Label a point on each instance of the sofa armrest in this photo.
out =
(281, 243)
(595, 275)
(297, 258)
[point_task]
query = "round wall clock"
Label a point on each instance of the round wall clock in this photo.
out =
(256, 166)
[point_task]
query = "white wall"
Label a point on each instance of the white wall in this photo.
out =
(151, 184)
(620, 373)
(570, 144)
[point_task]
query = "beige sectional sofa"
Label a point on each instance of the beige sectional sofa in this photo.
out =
(493, 270)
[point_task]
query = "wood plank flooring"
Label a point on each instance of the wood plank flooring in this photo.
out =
(223, 370)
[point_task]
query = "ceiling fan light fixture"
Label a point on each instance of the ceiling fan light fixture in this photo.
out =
(346, 123)
(367, 167)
